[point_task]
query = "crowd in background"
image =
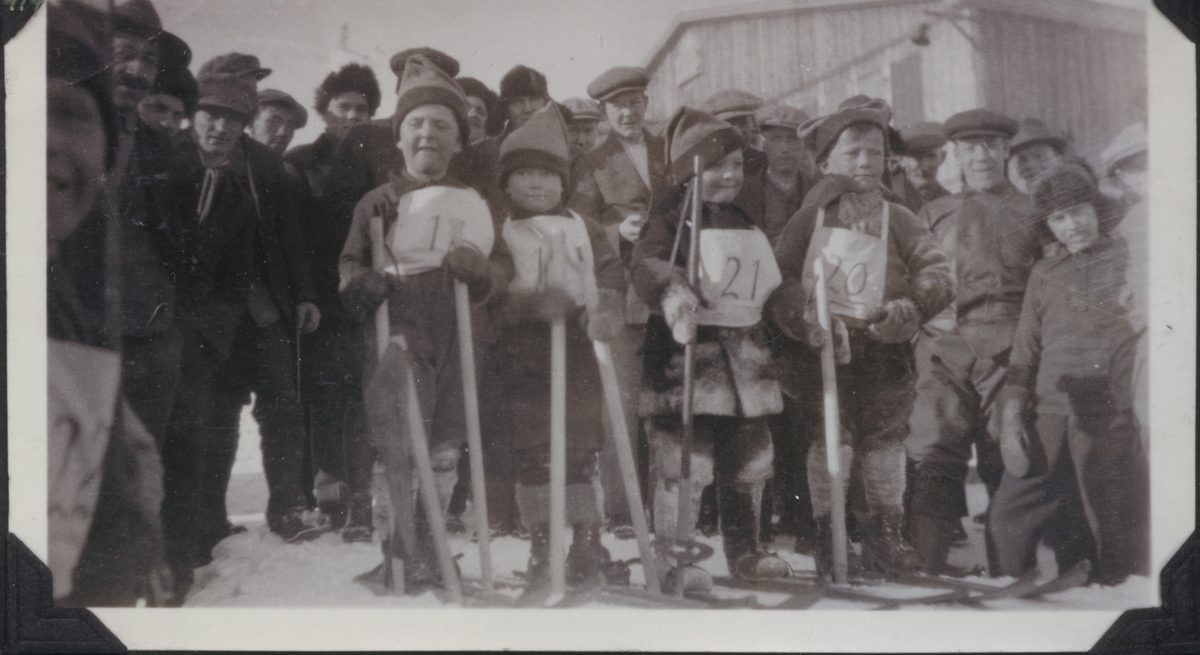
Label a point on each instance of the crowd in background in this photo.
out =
(199, 262)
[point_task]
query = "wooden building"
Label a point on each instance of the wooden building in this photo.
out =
(1079, 65)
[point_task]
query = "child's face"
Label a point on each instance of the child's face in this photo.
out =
(1075, 227)
(534, 189)
(723, 180)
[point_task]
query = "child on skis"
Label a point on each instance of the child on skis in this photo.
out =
(436, 231)
(870, 247)
(560, 265)
(736, 386)
(1076, 472)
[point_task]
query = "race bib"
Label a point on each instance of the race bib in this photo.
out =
(855, 269)
(737, 273)
(552, 252)
(432, 221)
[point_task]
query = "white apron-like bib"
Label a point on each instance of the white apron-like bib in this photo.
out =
(430, 222)
(855, 268)
(552, 251)
(738, 272)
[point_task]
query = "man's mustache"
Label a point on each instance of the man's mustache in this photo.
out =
(133, 82)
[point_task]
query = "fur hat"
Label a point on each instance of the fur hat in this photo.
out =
(231, 82)
(74, 56)
(424, 83)
(1068, 185)
(277, 98)
(439, 59)
(542, 142)
(522, 82)
(692, 133)
(349, 78)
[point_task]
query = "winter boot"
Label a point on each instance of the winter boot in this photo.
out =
(537, 572)
(709, 519)
(360, 527)
(884, 550)
(586, 556)
(823, 550)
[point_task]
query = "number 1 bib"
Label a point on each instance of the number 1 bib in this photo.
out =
(433, 220)
(737, 273)
(552, 251)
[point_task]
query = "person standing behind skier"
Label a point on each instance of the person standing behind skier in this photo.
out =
(437, 230)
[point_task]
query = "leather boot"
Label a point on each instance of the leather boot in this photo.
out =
(884, 550)
(586, 556)
(823, 550)
(740, 530)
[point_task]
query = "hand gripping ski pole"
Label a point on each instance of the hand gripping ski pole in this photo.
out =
(558, 460)
(620, 436)
(833, 429)
(466, 356)
(427, 488)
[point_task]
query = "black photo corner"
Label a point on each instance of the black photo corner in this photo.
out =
(34, 625)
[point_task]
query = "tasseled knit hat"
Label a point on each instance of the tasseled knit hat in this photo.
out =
(521, 82)
(424, 83)
(542, 142)
(350, 78)
(231, 82)
(1068, 185)
(691, 133)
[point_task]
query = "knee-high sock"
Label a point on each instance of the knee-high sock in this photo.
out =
(818, 476)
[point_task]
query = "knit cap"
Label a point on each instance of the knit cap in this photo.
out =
(231, 82)
(542, 142)
(692, 133)
(425, 83)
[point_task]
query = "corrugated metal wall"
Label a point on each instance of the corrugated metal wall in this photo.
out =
(1089, 82)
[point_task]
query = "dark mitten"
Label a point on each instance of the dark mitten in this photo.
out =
(363, 294)
(470, 267)
(900, 323)
(607, 321)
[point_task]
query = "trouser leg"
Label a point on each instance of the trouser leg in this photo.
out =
(150, 370)
(743, 455)
(662, 433)
(281, 421)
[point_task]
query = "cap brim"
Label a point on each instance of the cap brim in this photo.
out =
(618, 91)
(212, 102)
(967, 134)
(726, 115)
(1050, 140)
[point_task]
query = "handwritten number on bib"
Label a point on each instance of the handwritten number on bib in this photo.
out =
(737, 268)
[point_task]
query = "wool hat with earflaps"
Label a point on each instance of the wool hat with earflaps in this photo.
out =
(691, 133)
(425, 83)
(542, 142)
(230, 82)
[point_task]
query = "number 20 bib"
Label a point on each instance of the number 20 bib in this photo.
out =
(855, 268)
(737, 273)
(432, 221)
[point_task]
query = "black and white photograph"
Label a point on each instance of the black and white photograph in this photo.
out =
(588, 323)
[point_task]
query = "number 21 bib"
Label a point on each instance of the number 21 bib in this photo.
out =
(737, 273)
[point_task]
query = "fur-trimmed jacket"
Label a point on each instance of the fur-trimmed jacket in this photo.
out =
(735, 373)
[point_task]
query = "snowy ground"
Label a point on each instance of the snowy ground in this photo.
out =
(256, 569)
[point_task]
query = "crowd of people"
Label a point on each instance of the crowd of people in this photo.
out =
(199, 262)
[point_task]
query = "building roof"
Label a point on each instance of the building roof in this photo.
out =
(1110, 14)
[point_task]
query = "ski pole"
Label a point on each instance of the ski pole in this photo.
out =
(558, 460)
(466, 356)
(383, 331)
(620, 435)
(833, 430)
(682, 529)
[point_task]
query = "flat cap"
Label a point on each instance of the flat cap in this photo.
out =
(286, 102)
(980, 122)
(731, 103)
(1033, 131)
(583, 109)
(780, 115)
(618, 80)
(923, 136)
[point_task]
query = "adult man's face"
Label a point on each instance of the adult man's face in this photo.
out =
(583, 136)
(163, 109)
(521, 108)
(216, 130)
(273, 127)
(626, 113)
(477, 116)
(134, 69)
(75, 147)
(921, 166)
(784, 149)
(982, 160)
(858, 155)
(344, 112)
(1035, 159)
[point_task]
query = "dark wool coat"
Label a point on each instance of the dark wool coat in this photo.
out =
(735, 374)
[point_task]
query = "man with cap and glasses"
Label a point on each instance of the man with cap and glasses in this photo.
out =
(992, 238)
(924, 153)
(618, 183)
(278, 118)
